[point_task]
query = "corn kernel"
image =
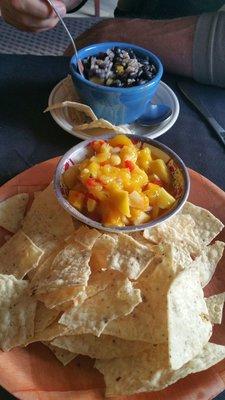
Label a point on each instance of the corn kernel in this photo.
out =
(91, 205)
(115, 160)
(119, 69)
(102, 157)
(84, 174)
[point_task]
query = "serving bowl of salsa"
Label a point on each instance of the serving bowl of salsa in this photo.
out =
(121, 183)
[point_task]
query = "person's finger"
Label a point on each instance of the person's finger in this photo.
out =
(39, 8)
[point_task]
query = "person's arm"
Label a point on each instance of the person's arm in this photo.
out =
(208, 50)
(190, 46)
(171, 40)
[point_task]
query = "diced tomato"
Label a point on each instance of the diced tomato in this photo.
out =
(129, 164)
(91, 182)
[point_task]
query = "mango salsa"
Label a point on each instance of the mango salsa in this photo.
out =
(120, 183)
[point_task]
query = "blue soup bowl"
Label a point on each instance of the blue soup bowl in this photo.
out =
(117, 105)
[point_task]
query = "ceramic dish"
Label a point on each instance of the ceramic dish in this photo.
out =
(25, 368)
(179, 176)
(65, 90)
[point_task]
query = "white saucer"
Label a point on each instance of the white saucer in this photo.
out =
(64, 90)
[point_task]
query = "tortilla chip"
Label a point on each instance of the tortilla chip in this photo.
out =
(177, 230)
(17, 312)
(120, 298)
(103, 347)
(62, 295)
(123, 376)
(50, 333)
(148, 321)
(189, 328)
(19, 255)
(138, 236)
(64, 356)
(101, 252)
(12, 211)
(47, 223)
(210, 355)
(44, 317)
(147, 372)
(100, 280)
(37, 193)
(207, 261)
(101, 124)
(86, 236)
(129, 257)
(215, 307)
(146, 275)
(175, 254)
(179, 223)
(67, 266)
(207, 226)
(78, 112)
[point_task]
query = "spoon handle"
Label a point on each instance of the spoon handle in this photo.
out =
(79, 63)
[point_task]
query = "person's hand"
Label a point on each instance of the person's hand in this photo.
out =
(31, 15)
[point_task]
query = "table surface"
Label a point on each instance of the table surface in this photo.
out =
(27, 136)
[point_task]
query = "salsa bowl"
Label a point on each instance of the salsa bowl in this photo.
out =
(178, 172)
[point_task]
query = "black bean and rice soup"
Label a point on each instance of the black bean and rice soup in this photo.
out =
(118, 68)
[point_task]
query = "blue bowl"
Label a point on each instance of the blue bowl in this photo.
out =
(117, 105)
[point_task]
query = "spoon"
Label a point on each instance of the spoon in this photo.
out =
(79, 62)
(154, 114)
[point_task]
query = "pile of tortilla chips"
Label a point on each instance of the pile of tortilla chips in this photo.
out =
(133, 302)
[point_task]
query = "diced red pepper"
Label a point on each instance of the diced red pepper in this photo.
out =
(91, 182)
(129, 164)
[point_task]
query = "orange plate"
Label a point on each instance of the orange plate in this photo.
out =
(34, 373)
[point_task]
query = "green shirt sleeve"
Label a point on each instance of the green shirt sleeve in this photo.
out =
(209, 51)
